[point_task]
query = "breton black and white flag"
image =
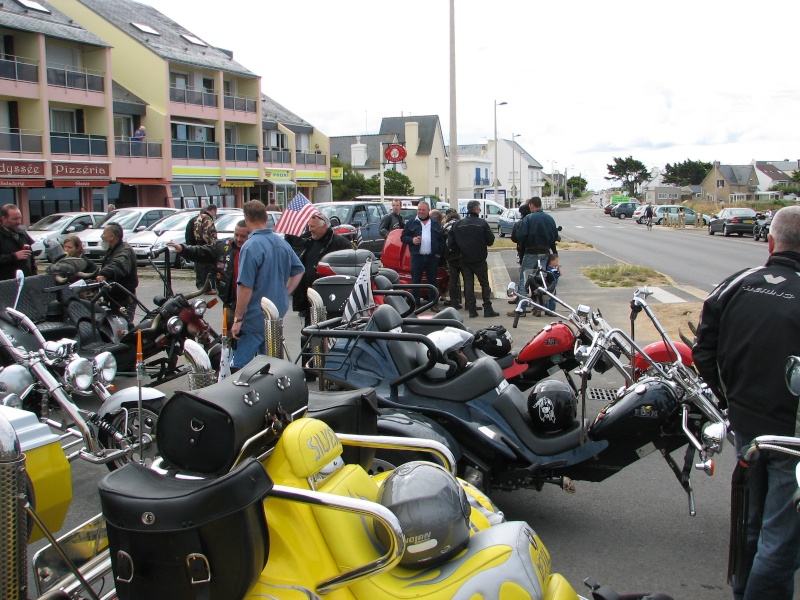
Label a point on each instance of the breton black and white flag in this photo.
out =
(361, 296)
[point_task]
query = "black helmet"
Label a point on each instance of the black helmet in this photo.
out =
(494, 341)
(552, 406)
(433, 511)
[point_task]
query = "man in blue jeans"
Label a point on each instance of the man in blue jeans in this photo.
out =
(268, 267)
(425, 240)
(538, 234)
(744, 367)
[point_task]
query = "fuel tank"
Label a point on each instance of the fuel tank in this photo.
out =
(649, 404)
(555, 338)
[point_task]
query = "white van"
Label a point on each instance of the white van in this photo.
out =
(490, 210)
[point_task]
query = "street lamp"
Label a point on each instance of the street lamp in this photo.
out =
(496, 104)
(566, 180)
(518, 192)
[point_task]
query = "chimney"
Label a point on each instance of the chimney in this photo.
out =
(358, 153)
(412, 137)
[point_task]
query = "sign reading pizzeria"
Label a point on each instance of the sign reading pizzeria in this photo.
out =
(78, 170)
(394, 153)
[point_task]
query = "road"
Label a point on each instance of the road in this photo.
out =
(633, 530)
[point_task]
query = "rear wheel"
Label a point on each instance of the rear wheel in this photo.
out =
(725, 231)
(756, 233)
(622, 215)
(129, 424)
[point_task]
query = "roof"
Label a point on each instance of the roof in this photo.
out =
(771, 171)
(532, 162)
(170, 44)
(427, 129)
(341, 148)
(122, 94)
(273, 113)
(471, 149)
(55, 24)
(483, 150)
(737, 174)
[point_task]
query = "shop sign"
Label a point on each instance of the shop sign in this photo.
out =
(81, 170)
(21, 183)
(337, 173)
(21, 168)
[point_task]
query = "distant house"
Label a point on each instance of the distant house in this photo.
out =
(519, 175)
(364, 152)
(770, 176)
(730, 184)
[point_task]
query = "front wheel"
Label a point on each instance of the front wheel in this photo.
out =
(623, 216)
(756, 233)
(129, 423)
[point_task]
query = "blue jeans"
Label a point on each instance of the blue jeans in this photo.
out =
(529, 262)
(421, 264)
(247, 347)
(773, 529)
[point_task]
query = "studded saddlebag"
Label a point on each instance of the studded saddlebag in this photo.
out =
(186, 539)
(204, 431)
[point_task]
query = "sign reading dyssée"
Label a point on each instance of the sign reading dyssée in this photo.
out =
(75, 170)
(21, 168)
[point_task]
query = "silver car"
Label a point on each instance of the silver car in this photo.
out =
(59, 226)
(130, 219)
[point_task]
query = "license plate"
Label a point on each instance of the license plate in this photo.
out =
(747, 220)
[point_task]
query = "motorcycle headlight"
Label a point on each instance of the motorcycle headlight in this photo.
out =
(174, 325)
(59, 349)
(105, 365)
(199, 307)
(79, 374)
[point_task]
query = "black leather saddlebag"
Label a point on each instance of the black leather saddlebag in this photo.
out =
(186, 539)
(204, 431)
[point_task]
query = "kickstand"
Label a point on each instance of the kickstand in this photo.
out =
(684, 475)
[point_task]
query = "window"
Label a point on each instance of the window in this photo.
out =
(436, 167)
(145, 28)
(63, 121)
(720, 183)
(231, 134)
(123, 127)
(178, 80)
(491, 209)
(208, 84)
(34, 6)
(373, 213)
(194, 40)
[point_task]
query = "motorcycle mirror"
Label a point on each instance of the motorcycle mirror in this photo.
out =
(78, 284)
(793, 375)
(20, 277)
(511, 290)
(714, 437)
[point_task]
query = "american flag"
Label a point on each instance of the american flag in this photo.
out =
(295, 218)
(361, 296)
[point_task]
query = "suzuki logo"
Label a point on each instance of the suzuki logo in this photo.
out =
(774, 280)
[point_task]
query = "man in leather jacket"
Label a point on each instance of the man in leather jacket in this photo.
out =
(119, 265)
(320, 240)
(394, 220)
(225, 255)
(749, 326)
(15, 244)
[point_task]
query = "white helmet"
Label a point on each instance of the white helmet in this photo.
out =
(448, 342)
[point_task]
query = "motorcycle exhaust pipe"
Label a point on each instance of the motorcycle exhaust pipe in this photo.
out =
(273, 329)
(318, 314)
(13, 530)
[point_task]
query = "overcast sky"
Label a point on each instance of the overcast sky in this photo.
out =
(584, 81)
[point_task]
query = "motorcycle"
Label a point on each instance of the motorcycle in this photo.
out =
(761, 228)
(290, 519)
(492, 429)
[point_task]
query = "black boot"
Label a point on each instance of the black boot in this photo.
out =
(488, 311)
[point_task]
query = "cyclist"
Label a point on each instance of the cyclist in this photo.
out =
(648, 216)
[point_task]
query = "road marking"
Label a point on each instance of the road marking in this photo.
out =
(665, 297)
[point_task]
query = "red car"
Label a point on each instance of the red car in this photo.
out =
(607, 208)
(396, 256)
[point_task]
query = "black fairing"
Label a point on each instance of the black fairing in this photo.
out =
(650, 404)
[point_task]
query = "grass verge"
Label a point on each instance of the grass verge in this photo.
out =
(624, 275)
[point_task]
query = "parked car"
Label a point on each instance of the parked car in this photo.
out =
(733, 220)
(623, 210)
(490, 210)
(607, 209)
(662, 212)
(364, 215)
(227, 220)
(131, 220)
(507, 220)
(58, 226)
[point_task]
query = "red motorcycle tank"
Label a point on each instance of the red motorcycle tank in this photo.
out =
(649, 405)
(556, 338)
(662, 353)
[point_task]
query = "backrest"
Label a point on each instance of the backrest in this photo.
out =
(34, 300)
(385, 318)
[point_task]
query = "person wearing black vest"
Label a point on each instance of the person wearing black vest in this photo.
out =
(119, 265)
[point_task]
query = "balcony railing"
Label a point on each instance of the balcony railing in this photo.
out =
(241, 153)
(192, 96)
(239, 103)
(75, 78)
(195, 150)
(479, 181)
(17, 68)
(274, 155)
(20, 140)
(82, 144)
(134, 148)
(307, 158)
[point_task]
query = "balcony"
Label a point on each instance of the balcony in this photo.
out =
(75, 78)
(17, 68)
(81, 144)
(192, 96)
(276, 155)
(195, 150)
(21, 140)
(132, 148)
(241, 153)
(307, 158)
(479, 181)
(239, 103)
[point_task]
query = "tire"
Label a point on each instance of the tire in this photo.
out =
(756, 233)
(180, 262)
(150, 412)
(622, 216)
(725, 231)
(500, 232)
(660, 221)
(710, 231)
(639, 220)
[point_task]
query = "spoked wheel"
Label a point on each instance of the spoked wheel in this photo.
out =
(129, 424)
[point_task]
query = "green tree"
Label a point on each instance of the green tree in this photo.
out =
(577, 185)
(796, 176)
(689, 172)
(395, 183)
(629, 172)
(352, 183)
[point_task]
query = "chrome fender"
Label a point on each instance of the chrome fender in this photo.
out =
(130, 396)
(196, 356)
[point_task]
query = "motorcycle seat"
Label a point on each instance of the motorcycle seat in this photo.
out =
(514, 410)
(92, 349)
(56, 330)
